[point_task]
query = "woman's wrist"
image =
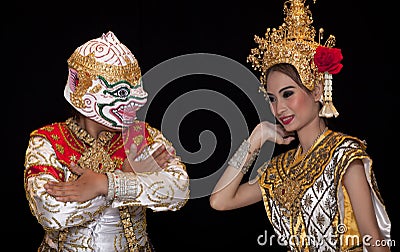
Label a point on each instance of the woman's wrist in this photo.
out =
(244, 156)
(255, 144)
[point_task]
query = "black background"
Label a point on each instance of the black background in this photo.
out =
(37, 40)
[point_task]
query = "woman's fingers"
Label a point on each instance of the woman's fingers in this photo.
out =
(283, 132)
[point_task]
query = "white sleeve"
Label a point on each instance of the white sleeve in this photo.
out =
(167, 189)
(50, 213)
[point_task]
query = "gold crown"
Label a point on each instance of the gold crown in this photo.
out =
(294, 43)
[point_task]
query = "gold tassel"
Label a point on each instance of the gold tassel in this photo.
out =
(328, 110)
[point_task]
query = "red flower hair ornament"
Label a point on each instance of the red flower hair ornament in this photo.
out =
(328, 61)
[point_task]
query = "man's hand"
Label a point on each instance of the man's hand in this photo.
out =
(89, 185)
(156, 162)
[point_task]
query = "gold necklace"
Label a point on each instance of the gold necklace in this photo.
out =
(96, 157)
(289, 191)
(294, 171)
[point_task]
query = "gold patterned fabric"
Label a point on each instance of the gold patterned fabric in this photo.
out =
(97, 224)
(306, 202)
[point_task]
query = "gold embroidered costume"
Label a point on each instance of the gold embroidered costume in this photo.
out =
(304, 195)
(306, 200)
(104, 86)
(98, 224)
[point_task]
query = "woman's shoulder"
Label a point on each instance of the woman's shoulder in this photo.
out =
(347, 139)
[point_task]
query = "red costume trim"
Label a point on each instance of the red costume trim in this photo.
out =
(69, 148)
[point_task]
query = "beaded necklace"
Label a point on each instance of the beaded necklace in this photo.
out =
(294, 171)
(96, 157)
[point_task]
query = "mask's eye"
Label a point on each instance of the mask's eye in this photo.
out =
(122, 92)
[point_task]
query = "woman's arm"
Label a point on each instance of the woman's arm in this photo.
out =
(229, 193)
(357, 186)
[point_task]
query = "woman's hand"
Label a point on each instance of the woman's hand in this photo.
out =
(89, 185)
(267, 131)
(156, 162)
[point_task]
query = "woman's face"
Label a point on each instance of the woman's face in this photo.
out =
(292, 106)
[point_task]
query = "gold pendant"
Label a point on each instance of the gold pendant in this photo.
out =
(97, 159)
(287, 192)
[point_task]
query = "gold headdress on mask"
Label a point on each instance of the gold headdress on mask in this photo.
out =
(293, 42)
(105, 56)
